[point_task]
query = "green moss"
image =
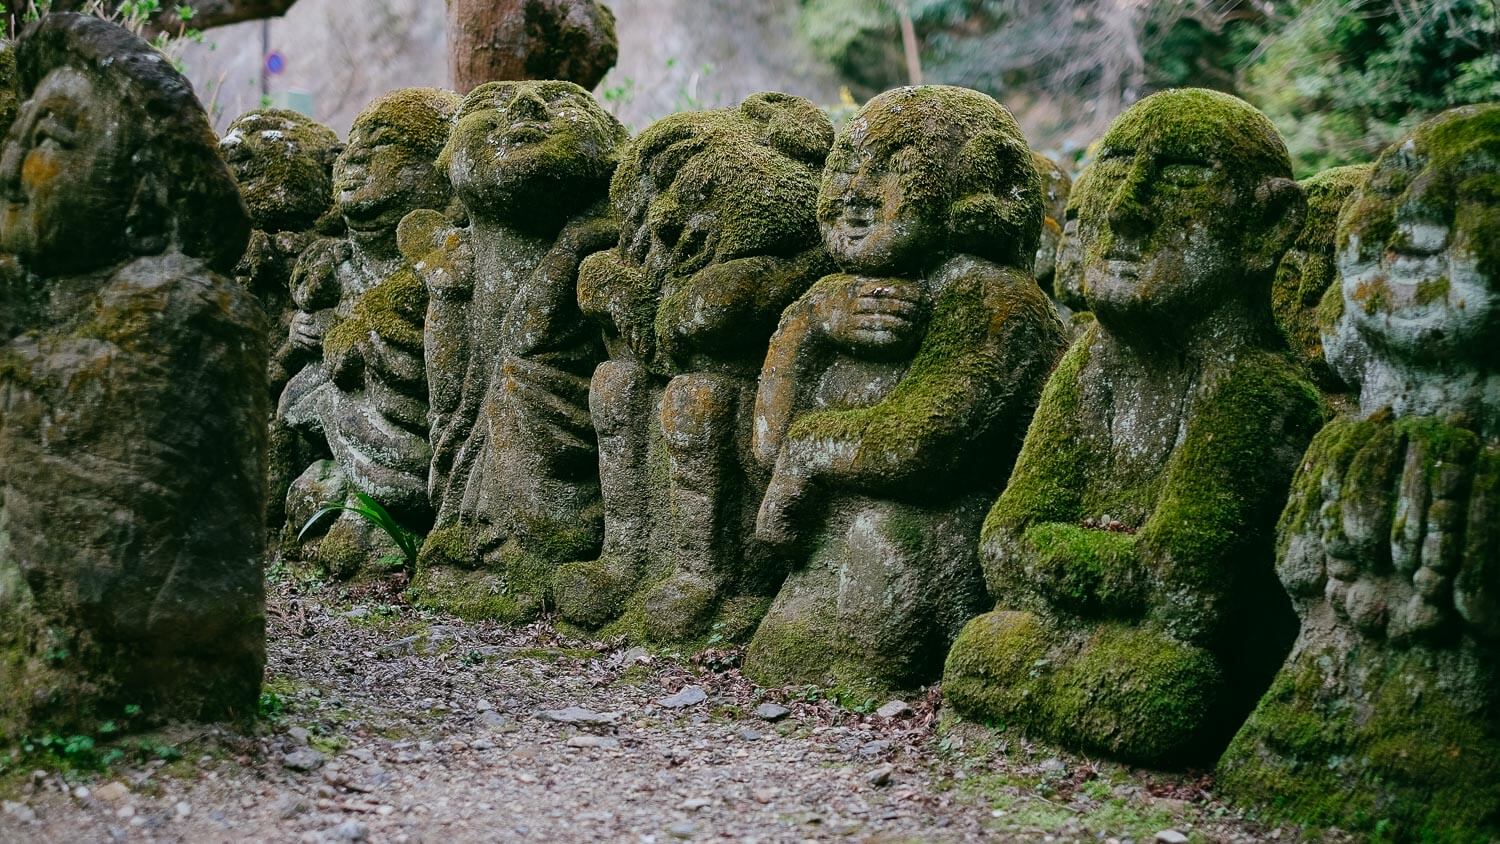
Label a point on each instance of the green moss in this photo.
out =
(282, 161)
(393, 310)
(471, 595)
(1199, 124)
(1086, 570)
(964, 161)
(990, 339)
(419, 117)
(1308, 270)
(1396, 758)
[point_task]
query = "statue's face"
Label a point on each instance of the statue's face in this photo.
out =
(1410, 246)
(1160, 231)
(286, 184)
(65, 176)
(870, 220)
(378, 178)
(541, 134)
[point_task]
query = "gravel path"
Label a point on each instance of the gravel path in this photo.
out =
(389, 724)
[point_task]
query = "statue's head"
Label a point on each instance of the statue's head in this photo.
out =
(926, 172)
(283, 162)
(1055, 189)
(1186, 210)
(110, 156)
(1419, 245)
(531, 151)
(1307, 270)
(701, 188)
(389, 167)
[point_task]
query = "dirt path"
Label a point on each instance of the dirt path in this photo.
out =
(388, 724)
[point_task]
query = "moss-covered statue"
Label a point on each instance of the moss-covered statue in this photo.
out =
(283, 163)
(895, 393)
(515, 474)
(133, 408)
(718, 235)
(372, 407)
(1056, 187)
(1307, 269)
(1131, 555)
(1388, 709)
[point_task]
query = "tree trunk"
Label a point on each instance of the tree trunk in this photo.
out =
(491, 40)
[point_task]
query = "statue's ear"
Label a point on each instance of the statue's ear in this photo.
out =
(1281, 208)
(148, 221)
(794, 127)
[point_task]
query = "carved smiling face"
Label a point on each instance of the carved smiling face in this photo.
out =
(64, 171)
(530, 148)
(923, 172)
(1168, 215)
(388, 168)
(1417, 244)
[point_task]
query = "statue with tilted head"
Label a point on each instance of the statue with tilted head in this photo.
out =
(1131, 555)
(1388, 708)
(133, 407)
(718, 235)
(895, 394)
(515, 471)
(369, 395)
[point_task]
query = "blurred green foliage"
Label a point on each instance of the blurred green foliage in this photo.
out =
(1340, 78)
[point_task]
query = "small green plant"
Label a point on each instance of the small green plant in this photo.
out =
(375, 513)
(271, 706)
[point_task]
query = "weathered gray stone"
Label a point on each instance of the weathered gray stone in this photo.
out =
(894, 396)
(1390, 544)
(369, 395)
(717, 236)
(1131, 554)
(133, 407)
(515, 471)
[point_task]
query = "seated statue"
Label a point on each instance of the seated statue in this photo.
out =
(895, 393)
(515, 470)
(282, 162)
(718, 236)
(369, 395)
(1307, 269)
(1131, 555)
(1388, 708)
(133, 407)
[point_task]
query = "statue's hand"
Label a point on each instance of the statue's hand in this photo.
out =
(307, 329)
(876, 314)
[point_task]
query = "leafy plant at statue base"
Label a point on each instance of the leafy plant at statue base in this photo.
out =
(373, 512)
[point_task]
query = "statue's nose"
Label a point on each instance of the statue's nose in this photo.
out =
(528, 105)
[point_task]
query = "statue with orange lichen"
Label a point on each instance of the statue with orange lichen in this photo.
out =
(133, 401)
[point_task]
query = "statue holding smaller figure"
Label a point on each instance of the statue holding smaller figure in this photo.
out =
(895, 393)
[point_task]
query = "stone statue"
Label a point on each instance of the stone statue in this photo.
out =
(1056, 186)
(133, 408)
(1307, 269)
(1387, 708)
(1130, 556)
(895, 394)
(369, 395)
(718, 235)
(283, 163)
(515, 472)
